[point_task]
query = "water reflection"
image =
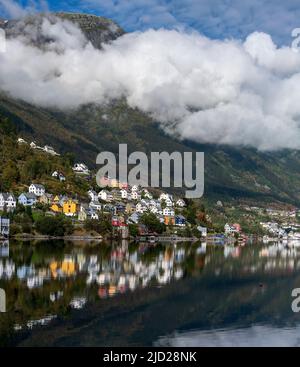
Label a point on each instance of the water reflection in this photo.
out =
(115, 269)
(256, 336)
(45, 281)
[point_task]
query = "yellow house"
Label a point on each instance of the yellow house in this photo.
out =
(56, 208)
(56, 199)
(70, 208)
(130, 208)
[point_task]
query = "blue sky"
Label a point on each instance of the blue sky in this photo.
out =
(214, 18)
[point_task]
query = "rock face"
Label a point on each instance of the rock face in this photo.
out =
(97, 30)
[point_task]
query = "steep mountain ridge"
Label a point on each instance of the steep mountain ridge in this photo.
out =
(97, 30)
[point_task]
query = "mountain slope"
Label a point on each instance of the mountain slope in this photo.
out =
(231, 173)
(97, 30)
(20, 166)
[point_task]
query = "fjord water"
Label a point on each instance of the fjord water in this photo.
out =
(78, 294)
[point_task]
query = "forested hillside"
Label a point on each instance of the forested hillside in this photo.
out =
(21, 165)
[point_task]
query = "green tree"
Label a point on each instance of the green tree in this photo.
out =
(153, 223)
(10, 174)
(102, 226)
(133, 229)
(54, 226)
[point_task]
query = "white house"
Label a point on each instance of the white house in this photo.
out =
(37, 190)
(8, 201)
(81, 168)
(21, 141)
(135, 195)
(167, 198)
(203, 231)
(180, 203)
(153, 202)
(93, 215)
(234, 228)
(105, 195)
(147, 194)
(154, 209)
(138, 208)
(168, 212)
(11, 201)
(124, 194)
(93, 195)
(95, 205)
(134, 188)
(141, 208)
(154, 206)
(50, 150)
(228, 228)
(2, 200)
(145, 202)
(169, 202)
(60, 176)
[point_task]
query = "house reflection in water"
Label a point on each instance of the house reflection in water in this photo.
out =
(55, 279)
(66, 268)
(4, 248)
(2, 300)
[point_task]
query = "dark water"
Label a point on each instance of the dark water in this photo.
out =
(65, 294)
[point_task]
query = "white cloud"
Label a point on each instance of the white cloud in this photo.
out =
(13, 9)
(200, 89)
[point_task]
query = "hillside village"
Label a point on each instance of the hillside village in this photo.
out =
(61, 198)
(129, 210)
(268, 222)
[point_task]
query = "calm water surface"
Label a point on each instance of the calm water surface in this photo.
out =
(74, 294)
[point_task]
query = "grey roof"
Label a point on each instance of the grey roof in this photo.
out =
(28, 195)
(95, 202)
(84, 206)
(6, 195)
(41, 187)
